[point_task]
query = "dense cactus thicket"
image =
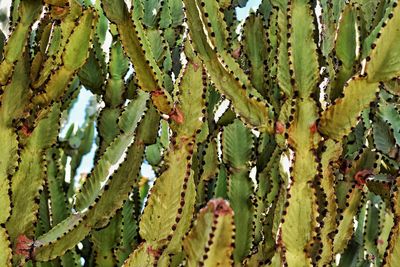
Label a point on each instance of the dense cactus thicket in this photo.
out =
(301, 167)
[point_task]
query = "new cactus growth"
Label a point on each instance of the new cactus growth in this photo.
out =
(275, 142)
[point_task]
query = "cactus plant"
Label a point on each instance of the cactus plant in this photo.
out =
(275, 141)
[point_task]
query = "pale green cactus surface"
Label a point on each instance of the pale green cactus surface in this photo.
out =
(275, 141)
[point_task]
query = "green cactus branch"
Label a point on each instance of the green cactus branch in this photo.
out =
(253, 111)
(16, 44)
(74, 228)
(127, 123)
(138, 50)
(73, 57)
(210, 240)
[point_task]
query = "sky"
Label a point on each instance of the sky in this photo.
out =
(77, 113)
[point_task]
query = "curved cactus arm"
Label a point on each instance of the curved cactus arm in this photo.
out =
(129, 228)
(117, 68)
(108, 127)
(16, 94)
(237, 144)
(128, 121)
(74, 56)
(383, 63)
(29, 11)
(164, 223)
(72, 230)
(217, 33)
(303, 49)
(253, 111)
(331, 155)
(163, 215)
(345, 226)
(13, 102)
(301, 204)
(210, 241)
(43, 214)
(58, 204)
(103, 25)
(174, 248)
(5, 246)
(10, 155)
(104, 241)
(330, 12)
(220, 190)
(387, 223)
(388, 242)
(31, 171)
(46, 248)
(337, 120)
(57, 197)
(170, 219)
(208, 169)
(92, 75)
(210, 166)
(283, 74)
(346, 48)
(191, 97)
(349, 202)
(266, 196)
(144, 255)
(384, 140)
(138, 49)
(53, 44)
(256, 51)
(271, 65)
(371, 14)
(392, 254)
(372, 225)
(115, 87)
(391, 115)
(354, 250)
(217, 29)
(49, 44)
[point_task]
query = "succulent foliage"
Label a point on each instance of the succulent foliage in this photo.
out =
(275, 142)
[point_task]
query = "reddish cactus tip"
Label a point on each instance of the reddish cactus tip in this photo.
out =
(220, 206)
(361, 177)
(156, 93)
(153, 252)
(176, 115)
(26, 130)
(58, 10)
(195, 66)
(279, 127)
(236, 53)
(313, 128)
(24, 246)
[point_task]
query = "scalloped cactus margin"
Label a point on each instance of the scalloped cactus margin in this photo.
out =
(308, 144)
